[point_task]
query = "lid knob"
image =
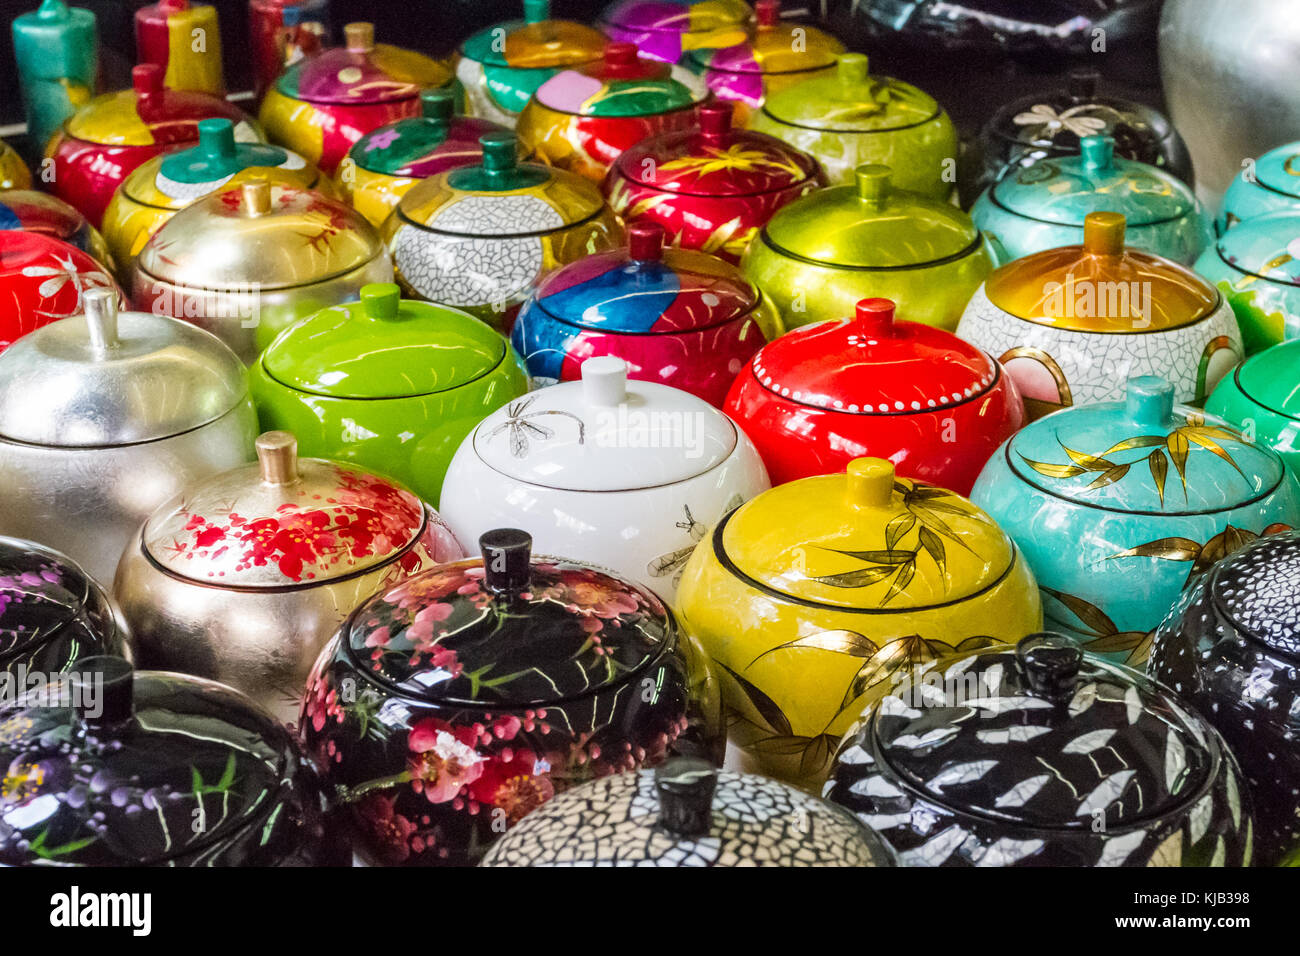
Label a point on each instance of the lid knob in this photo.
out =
(715, 121)
(686, 786)
(604, 380)
(147, 79)
(1098, 152)
(1103, 233)
(645, 241)
(875, 317)
(507, 553)
(535, 11)
(852, 69)
(500, 152)
(359, 37)
(873, 182)
(100, 306)
(1081, 84)
(103, 690)
(871, 482)
(381, 300)
(217, 138)
(621, 59)
(52, 10)
(437, 105)
(1149, 399)
(277, 457)
(1050, 664)
(256, 197)
(767, 12)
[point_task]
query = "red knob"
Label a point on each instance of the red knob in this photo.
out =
(621, 59)
(147, 79)
(876, 316)
(645, 241)
(715, 120)
(768, 12)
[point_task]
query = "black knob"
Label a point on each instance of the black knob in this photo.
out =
(686, 786)
(506, 556)
(1082, 84)
(1050, 664)
(103, 690)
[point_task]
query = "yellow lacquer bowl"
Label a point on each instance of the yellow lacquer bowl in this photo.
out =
(814, 599)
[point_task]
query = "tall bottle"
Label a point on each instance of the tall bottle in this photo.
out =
(283, 32)
(57, 49)
(185, 40)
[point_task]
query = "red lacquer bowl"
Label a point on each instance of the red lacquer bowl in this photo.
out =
(42, 279)
(824, 394)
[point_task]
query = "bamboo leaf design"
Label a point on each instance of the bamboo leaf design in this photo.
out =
(1091, 616)
(861, 578)
(1114, 643)
(897, 528)
(1210, 445)
(1142, 441)
(1054, 471)
(1179, 448)
(1159, 466)
(933, 546)
(837, 642)
(892, 557)
(765, 706)
(901, 580)
(1087, 462)
(1167, 549)
(903, 652)
(1108, 477)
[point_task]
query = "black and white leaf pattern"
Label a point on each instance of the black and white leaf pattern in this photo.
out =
(961, 773)
(1016, 734)
(1087, 743)
(1008, 852)
(1119, 848)
(1105, 793)
(1022, 792)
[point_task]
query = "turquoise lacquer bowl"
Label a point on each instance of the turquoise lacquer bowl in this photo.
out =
(1118, 505)
(1256, 265)
(1272, 184)
(1043, 206)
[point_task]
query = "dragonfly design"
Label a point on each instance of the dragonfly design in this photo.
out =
(674, 562)
(1042, 120)
(521, 426)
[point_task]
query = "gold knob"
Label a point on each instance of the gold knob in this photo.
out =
(277, 454)
(359, 37)
(257, 197)
(1103, 234)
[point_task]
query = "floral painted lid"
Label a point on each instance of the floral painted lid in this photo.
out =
(713, 159)
(362, 72)
(508, 630)
(871, 224)
(1070, 287)
(283, 522)
(619, 84)
(1143, 455)
(384, 347)
(41, 591)
(1279, 170)
(422, 146)
(259, 235)
(864, 540)
(535, 42)
(1266, 246)
(1044, 736)
(1064, 190)
(645, 288)
(148, 114)
(872, 364)
(1255, 588)
(687, 813)
(664, 28)
(605, 433)
(126, 766)
(851, 100)
(1268, 378)
(500, 197)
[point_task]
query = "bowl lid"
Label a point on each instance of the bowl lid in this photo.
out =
(43, 279)
(508, 630)
(872, 364)
(618, 84)
(384, 347)
(851, 100)
(362, 72)
(676, 16)
(32, 211)
(259, 236)
(536, 42)
(687, 813)
(605, 433)
(1265, 246)
(421, 146)
(774, 46)
(1070, 287)
(864, 540)
(41, 590)
(713, 159)
(126, 763)
(1268, 378)
(871, 224)
(1255, 588)
(1043, 735)
(1065, 189)
(282, 522)
(148, 114)
(500, 197)
(107, 379)
(174, 180)
(647, 289)
(1279, 170)
(1143, 455)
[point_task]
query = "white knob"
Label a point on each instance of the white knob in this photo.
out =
(604, 380)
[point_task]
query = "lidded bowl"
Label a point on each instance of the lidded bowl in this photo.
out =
(478, 238)
(686, 813)
(823, 253)
(1052, 123)
(324, 103)
(1118, 505)
(1263, 395)
(1229, 648)
(248, 261)
(1256, 265)
(104, 141)
(625, 474)
(808, 598)
(711, 186)
(1043, 206)
(453, 704)
(665, 29)
(774, 55)
(501, 66)
(14, 173)
(31, 211)
(156, 190)
(386, 384)
(582, 119)
(145, 768)
(850, 117)
(243, 576)
(44, 279)
(106, 415)
(1072, 325)
(871, 385)
(1270, 184)
(1038, 754)
(675, 316)
(382, 166)
(52, 615)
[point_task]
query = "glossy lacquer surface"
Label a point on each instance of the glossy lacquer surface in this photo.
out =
(1263, 394)
(1255, 265)
(1271, 185)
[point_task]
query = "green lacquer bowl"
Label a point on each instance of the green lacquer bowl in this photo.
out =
(391, 385)
(1256, 265)
(1262, 398)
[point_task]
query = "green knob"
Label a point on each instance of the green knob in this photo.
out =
(499, 151)
(535, 11)
(217, 138)
(381, 300)
(438, 105)
(851, 68)
(872, 182)
(1098, 152)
